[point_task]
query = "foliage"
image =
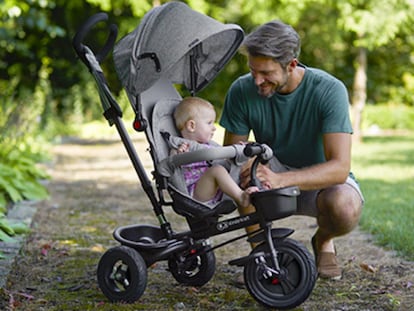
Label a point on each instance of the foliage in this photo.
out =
(27, 34)
(19, 155)
(19, 177)
(374, 22)
(388, 117)
(19, 180)
(36, 46)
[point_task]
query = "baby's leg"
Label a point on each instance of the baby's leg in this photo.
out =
(217, 177)
(206, 187)
(245, 198)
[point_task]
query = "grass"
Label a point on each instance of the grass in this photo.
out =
(384, 166)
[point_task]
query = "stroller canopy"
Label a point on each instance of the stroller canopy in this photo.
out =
(178, 43)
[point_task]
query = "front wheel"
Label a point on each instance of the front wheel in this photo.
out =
(194, 268)
(287, 287)
(122, 274)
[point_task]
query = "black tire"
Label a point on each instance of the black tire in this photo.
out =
(122, 274)
(297, 279)
(192, 269)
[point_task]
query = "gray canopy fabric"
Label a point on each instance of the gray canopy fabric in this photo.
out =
(178, 43)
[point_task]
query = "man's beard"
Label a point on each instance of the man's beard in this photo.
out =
(271, 92)
(275, 88)
(268, 94)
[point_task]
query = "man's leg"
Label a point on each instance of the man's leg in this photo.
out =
(339, 210)
(247, 210)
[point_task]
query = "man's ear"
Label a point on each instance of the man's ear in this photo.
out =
(293, 63)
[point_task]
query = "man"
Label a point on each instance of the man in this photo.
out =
(302, 113)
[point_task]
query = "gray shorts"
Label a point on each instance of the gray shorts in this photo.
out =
(306, 204)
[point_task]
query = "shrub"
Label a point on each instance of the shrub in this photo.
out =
(388, 117)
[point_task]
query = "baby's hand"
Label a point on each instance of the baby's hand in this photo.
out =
(184, 147)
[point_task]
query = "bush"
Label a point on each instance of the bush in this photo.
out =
(20, 177)
(388, 117)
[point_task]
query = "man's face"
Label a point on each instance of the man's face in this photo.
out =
(269, 76)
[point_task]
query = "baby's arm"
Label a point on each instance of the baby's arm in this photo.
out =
(183, 144)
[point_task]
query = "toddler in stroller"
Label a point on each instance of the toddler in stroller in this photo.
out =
(279, 272)
(206, 182)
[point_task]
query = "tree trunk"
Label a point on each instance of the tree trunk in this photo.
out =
(359, 95)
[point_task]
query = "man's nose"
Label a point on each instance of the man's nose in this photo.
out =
(258, 79)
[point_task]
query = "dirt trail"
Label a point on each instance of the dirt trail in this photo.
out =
(94, 189)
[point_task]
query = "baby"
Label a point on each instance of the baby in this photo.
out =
(194, 118)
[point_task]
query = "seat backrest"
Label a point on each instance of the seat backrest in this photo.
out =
(162, 121)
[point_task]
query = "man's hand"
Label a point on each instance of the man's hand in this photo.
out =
(268, 178)
(245, 174)
(263, 173)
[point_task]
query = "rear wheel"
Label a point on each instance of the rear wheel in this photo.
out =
(122, 274)
(194, 268)
(294, 282)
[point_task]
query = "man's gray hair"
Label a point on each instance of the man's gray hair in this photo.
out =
(273, 39)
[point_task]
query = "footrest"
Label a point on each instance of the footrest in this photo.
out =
(277, 233)
(244, 260)
(188, 207)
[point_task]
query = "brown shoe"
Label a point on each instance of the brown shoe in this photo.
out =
(326, 263)
(328, 267)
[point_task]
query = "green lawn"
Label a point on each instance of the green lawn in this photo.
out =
(384, 166)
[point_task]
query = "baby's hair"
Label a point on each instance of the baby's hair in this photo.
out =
(188, 109)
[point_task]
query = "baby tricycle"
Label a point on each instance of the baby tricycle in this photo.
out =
(161, 52)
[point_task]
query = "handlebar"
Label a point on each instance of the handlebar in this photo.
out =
(84, 31)
(264, 152)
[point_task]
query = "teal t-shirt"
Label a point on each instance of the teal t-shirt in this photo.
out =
(291, 124)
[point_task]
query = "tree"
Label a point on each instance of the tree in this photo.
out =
(372, 23)
(37, 56)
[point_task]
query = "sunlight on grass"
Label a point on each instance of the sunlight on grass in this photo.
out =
(384, 167)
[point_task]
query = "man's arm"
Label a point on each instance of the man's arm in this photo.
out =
(231, 138)
(335, 170)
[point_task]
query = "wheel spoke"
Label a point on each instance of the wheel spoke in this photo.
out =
(124, 267)
(287, 286)
(285, 260)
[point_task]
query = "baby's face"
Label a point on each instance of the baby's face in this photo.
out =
(204, 125)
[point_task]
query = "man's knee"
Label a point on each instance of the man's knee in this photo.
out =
(339, 208)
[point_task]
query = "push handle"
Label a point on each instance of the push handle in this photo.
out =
(84, 31)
